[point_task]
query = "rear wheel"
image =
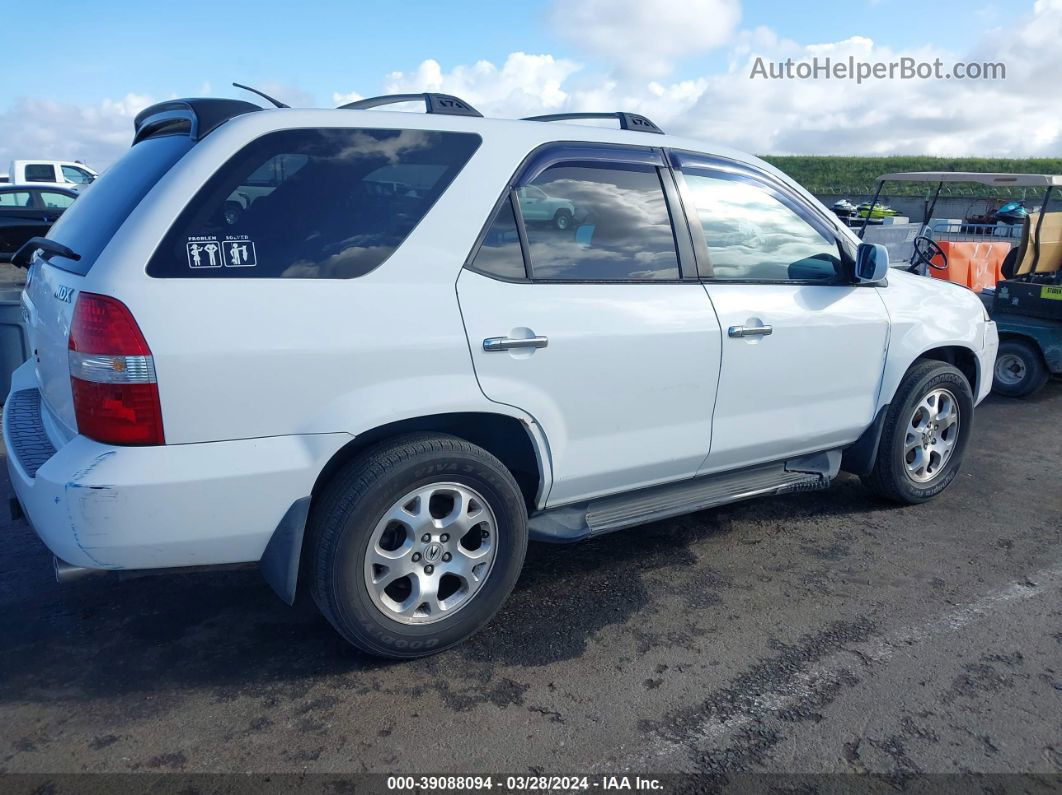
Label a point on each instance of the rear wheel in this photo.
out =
(1019, 370)
(925, 433)
(416, 544)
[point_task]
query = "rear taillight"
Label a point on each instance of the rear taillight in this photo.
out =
(112, 374)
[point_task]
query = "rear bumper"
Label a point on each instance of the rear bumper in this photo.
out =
(107, 507)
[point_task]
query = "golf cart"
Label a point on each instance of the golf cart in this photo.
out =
(1019, 279)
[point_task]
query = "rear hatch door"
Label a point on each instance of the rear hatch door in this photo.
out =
(86, 227)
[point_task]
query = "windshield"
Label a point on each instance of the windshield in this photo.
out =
(90, 223)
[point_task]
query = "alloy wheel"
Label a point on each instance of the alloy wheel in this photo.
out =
(932, 433)
(430, 553)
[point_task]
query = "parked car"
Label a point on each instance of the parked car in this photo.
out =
(57, 173)
(28, 211)
(537, 206)
(378, 383)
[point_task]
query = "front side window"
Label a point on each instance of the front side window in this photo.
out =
(76, 175)
(40, 173)
(753, 236)
(56, 201)
(598, 222)
(312, 204)
(16, 198)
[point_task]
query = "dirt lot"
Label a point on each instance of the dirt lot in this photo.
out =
(818, 632)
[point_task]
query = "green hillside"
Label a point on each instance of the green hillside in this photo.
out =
(855, 176)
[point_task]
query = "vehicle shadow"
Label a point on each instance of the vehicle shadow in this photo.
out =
(226, 631)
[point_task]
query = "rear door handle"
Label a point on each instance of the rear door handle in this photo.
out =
(492, 344)
(749, 331)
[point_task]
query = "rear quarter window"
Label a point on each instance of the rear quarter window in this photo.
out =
(312, 204)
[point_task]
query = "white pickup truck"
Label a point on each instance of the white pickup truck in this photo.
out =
(380, 378)
(59, 173)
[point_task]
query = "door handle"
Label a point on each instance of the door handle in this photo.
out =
(749, 331)
(492, 344)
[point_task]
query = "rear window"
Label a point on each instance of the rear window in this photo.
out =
(40, 173)
(91, 221)
(312, 204)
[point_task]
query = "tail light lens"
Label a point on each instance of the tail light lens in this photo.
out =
(112, 374)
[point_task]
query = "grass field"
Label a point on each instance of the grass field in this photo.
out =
(856, 175)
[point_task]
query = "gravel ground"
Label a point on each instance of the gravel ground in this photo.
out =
(817, 633)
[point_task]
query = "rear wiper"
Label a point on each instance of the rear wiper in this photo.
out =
(22, 257)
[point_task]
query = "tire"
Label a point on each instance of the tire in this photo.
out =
(562, 219)
(349, 536)
(912, 475)
(1019, 371)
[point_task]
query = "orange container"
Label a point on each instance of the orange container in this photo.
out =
(976, 265)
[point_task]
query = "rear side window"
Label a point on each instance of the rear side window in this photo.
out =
(56, 201)
(40, 173)
(312, 204)
(594, 222)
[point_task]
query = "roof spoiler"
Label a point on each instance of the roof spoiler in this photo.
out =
(627, 121)
(192, 117)
(444, 104)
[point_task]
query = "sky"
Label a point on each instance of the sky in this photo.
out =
(71, 90)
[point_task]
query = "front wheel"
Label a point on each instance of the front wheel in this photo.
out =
(416, 544)
(1019, 370)
(562, 220)
(925, 433)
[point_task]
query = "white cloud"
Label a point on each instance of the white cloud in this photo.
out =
(345, 99)
(94, 134)
(646, 36)
(524, 84)
(1015, 117)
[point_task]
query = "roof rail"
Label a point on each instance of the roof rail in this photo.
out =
(433, 103)
(627, 121)
(192, 117)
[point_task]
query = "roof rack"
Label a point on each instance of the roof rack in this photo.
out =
(627, 121)
(192, 117)
(444, 104)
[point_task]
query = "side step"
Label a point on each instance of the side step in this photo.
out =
(607, 514)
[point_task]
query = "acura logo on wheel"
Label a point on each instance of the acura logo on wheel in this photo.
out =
(431, 554)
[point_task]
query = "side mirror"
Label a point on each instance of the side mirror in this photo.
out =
(872, 263)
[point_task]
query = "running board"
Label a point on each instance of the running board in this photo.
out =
(607, 514)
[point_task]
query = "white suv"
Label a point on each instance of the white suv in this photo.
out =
(379, 379)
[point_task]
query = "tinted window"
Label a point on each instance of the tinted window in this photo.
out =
(76, 175)
(90, 223)
(13, 198)
(40, 173)
(596, 222)
(56, 201)
(312, 204)
(500, 253)
(752, 235)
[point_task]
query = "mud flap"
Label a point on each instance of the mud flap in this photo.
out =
(859, 457)
(280, 561)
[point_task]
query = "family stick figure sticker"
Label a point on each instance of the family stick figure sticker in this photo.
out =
(204, 253)
(208, 252)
